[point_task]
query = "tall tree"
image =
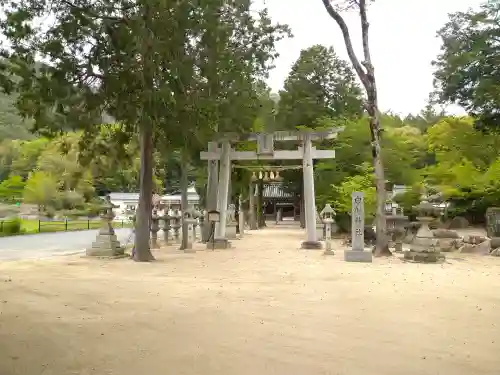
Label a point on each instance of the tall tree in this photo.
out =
(319, 85)
(366, 73)
(223, 52)
(99, 57)
(467, 69)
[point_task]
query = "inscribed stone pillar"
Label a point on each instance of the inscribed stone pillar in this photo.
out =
(357, 252)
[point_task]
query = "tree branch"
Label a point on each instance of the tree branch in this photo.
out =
(348, 43)
(364, 32)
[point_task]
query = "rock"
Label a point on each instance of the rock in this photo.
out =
(447, 244)
(458, 222)
(496, 252)
(495, 242)
(466, 248)
(445, 233)
(476, 239)
(423, 257)
(483, 248)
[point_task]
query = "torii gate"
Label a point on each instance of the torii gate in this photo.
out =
(265, 151)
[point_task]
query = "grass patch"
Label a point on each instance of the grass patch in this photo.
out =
(36, 226)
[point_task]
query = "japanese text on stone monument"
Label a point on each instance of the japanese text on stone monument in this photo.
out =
(358, 221)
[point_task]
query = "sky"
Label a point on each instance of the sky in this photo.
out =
(403, 43)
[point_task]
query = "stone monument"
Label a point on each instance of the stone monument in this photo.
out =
(358, 252)
(424, 247)
(106, 243)
(493, 226)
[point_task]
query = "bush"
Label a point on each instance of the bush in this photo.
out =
(12, 226)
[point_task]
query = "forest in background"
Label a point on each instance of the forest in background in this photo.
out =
(453, 158)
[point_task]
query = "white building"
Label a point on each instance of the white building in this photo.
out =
(127, 202)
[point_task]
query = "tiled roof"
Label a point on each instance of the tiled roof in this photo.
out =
(275, 191)
(124, 196)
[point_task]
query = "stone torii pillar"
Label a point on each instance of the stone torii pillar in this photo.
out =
(311, 241)
(223, 192)
(212, 187)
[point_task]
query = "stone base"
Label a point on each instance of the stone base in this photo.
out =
(106, 245)
(329, 252)
(219, 243)
(189, 250)
(421, 257)
(311, 245)
(358, 256)
(231, 232)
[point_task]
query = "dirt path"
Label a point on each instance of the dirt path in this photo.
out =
(262, 308)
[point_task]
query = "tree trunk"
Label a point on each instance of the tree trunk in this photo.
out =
(366, 74)
(184, 200)
(142, 251)
(382, 244)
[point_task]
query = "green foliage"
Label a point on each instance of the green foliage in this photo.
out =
(10, 227)
(319, 85)
(11, 189)
(467, 67)
(341, 195)
(41, 189)
(409, 199)
(12, 126)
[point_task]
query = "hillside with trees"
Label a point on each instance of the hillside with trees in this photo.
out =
(169, 103)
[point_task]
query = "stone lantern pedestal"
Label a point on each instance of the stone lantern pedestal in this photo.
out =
(106, 244)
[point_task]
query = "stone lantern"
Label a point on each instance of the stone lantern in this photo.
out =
(396, 228)
(424, 247)
(189, 220)
(155, 227)
(106, 243)
(202, 224)
(197, 219)
(328, 218)
(166, 226)
(176, 224)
